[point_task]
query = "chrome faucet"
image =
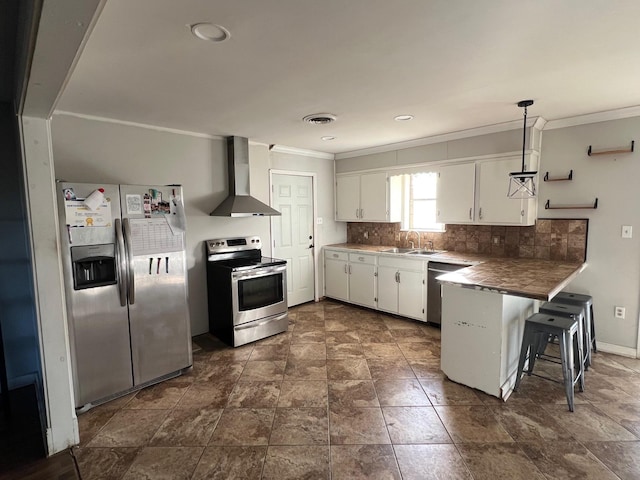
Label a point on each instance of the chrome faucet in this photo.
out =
(417, 234)
(430, 243)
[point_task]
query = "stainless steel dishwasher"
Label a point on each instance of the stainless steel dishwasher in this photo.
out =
(434, 289)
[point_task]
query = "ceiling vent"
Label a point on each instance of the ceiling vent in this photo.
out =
(320, 118)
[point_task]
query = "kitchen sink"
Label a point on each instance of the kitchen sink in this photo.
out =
(397, 250)
(422, 252)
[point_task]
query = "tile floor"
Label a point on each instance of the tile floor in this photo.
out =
(349, 393)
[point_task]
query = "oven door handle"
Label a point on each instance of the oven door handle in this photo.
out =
(258, 272)
(263, 322)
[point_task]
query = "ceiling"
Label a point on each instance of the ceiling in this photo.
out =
(453, 65)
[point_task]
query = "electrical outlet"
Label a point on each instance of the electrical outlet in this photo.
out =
(319, 220)
(627, 231)
(366, 235)
(619, 312)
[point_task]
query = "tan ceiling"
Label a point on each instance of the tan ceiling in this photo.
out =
(451, 64)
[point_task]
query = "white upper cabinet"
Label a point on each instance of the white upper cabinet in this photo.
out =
(456, 193)
(477, 193)
(348, 198)
(363, 198)
(494, 207)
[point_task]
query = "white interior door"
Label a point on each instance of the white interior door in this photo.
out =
(293, 233)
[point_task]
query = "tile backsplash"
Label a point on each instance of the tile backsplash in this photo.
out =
(549, 239)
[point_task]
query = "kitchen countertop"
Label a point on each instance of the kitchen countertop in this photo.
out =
(522, 277)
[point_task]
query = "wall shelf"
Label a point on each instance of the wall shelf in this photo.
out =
(591, 152)
(568, 178)
(548, 206)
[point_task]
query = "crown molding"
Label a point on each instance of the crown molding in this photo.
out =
(136, 124)
(302, 152)
(606, 116)
(445, 137)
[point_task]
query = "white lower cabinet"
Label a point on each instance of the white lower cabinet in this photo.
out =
(384, 282)
(336, 275)
(350, 277)
(401, 287)
(362, 279)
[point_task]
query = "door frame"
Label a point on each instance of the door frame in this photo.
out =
(316, 248)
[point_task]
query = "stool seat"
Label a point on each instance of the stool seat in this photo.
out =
(586, 302)
(537, 329)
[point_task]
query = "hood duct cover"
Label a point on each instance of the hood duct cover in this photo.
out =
(240, 203)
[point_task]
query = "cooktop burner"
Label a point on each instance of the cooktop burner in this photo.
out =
(241, 253)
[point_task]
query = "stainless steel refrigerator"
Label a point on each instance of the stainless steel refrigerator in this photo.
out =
(123, 249)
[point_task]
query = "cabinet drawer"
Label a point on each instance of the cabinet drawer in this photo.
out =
(402, 263)
(336, 255)
(362, 258)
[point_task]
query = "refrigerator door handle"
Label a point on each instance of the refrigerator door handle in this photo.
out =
(121, 264)
(130, 273)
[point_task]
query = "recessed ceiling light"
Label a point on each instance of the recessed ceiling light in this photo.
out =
(327, 137)
(210, 32)
(404, 118)
(320, 118)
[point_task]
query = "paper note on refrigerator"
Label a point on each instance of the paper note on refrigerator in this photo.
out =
(153, 235)
(79, 215)
(176, 216)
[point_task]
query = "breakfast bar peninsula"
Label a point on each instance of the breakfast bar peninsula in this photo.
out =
(483, 312)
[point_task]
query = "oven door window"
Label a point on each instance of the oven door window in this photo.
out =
(260, 292)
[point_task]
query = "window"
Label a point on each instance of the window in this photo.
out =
(419, 202)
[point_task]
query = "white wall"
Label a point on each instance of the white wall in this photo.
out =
(613, 273)
(96, 151)
(329, 231)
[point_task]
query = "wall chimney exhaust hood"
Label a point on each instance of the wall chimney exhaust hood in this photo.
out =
(240, 203)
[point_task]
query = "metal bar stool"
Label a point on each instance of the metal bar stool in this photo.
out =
(586, 302)
(577, 313)
(537, 328)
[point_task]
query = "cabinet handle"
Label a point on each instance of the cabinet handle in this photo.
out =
(470, 216)
(361, 259)
(522, 213)
(349, 269)
(357, 210)
(335, 255)
(345, 268)
(480, 213)
(398, 277)
(361, 213)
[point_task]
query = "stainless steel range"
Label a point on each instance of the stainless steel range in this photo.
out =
(247, 292)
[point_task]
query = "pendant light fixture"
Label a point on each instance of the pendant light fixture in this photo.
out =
(522, 184)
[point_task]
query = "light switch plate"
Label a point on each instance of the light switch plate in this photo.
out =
(619, 312)
(627, 231)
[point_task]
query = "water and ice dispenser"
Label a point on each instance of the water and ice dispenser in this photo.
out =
(93, 266)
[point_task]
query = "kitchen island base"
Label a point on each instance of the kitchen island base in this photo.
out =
(481, 337)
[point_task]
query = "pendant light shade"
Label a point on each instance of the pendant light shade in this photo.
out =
(522, 184)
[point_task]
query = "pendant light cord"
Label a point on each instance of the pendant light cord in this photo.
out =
(524, 135)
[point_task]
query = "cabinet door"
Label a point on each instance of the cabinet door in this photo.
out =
(362, 284)
(494, 207)
(411, 290)
(455, 193)
(336, 279)
(387, 289)
(348, 198)
(374, 194)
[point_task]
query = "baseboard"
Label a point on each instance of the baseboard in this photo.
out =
(616, 349)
